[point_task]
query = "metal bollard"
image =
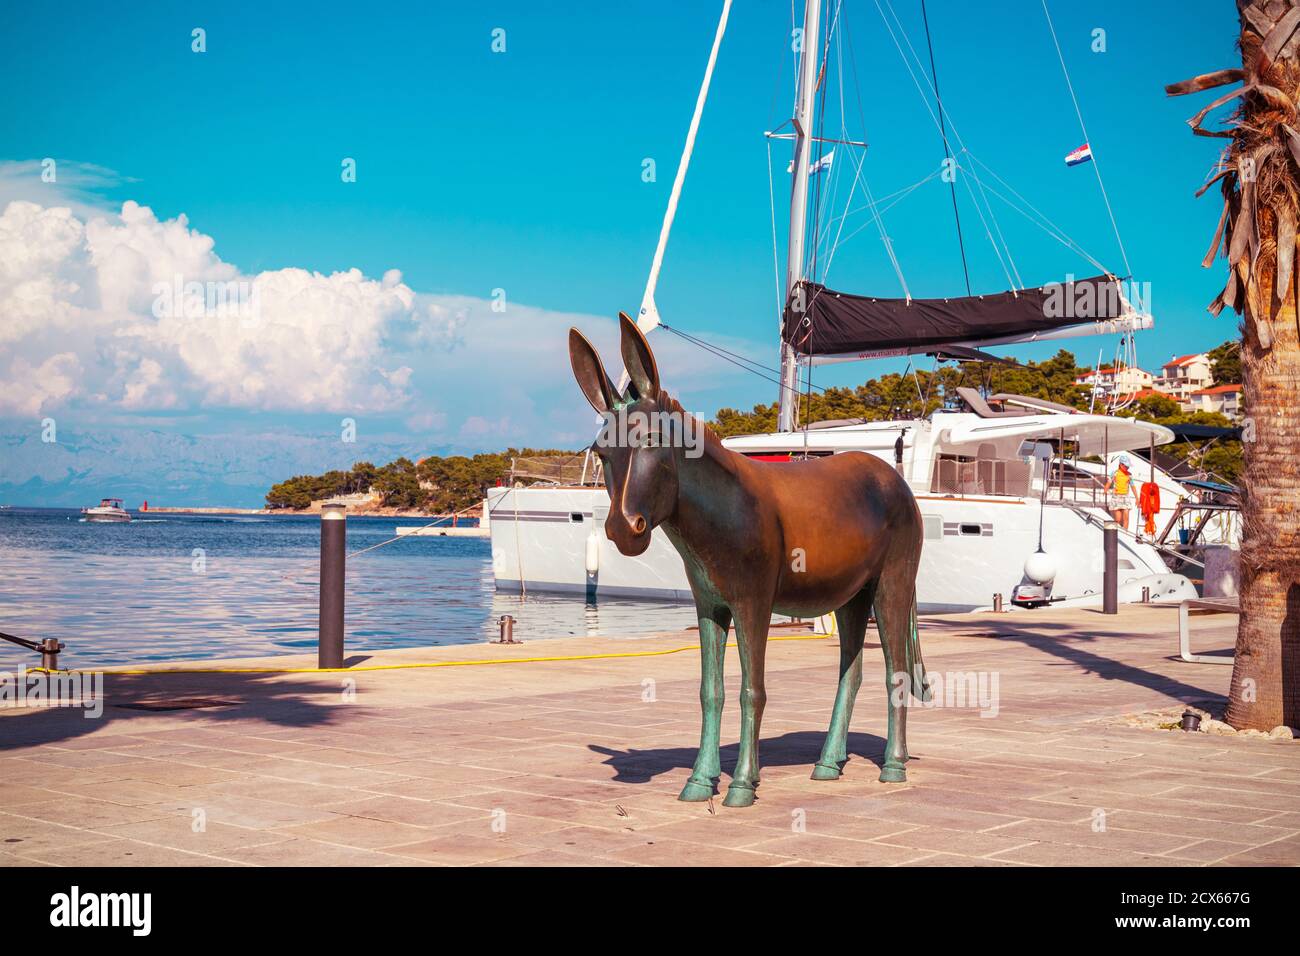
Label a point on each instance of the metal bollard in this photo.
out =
(997, 603)
(507, 624)
(50, 648)
(1110, 574)
(333, 561)
(1146, 595)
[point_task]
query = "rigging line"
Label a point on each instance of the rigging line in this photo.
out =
(989, 234)
(830, 258)
(832, 176)
(897, 194)
(956, 132)
(834, 244)
(808, 410)
(886, 207)
(860, 163)
(997, 226)
(934, 87)
(925, 101)
(1055, 230)
(1051, 229)
(721, 353)
(884, 237)
(1064, 240)
(821, 146)
(776, 86)
(1084, 129)
(877, 216)
(718, 350)
(947, 152)
(776, 264)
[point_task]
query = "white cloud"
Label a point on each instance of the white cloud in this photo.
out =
(28, 389)
(106, 314)
(104, 293)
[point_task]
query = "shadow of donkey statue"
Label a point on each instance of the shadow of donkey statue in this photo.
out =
(803, 538)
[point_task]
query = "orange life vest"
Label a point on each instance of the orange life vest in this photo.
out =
(1149, 505)
(1149, 499)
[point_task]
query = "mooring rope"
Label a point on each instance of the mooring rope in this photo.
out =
(396, 667)
(399, 537)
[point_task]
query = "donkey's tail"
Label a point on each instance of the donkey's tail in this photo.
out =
(912, 658)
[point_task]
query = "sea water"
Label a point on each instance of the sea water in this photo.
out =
(181, 587)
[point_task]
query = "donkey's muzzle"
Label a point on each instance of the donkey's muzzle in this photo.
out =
(630, 533)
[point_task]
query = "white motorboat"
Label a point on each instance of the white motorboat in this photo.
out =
(108, 510)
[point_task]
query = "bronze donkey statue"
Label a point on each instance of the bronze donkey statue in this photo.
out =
(839, 533)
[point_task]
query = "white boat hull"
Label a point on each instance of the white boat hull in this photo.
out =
(545, 539)
(468, 531)
(105, 516)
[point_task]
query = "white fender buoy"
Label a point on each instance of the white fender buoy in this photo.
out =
(1040, 567)
(593, 553)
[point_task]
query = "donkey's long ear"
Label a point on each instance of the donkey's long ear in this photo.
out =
(590, 372)
(638, 359)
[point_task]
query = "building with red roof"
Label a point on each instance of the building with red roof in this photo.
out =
(1184, 374)
(1224, 399)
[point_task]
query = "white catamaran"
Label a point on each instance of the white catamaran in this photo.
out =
(1008, 507)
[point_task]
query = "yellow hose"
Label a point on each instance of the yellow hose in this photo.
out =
(399, 667)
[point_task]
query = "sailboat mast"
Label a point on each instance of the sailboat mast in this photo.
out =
(787, 401)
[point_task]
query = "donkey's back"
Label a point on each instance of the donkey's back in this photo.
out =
(842, 519)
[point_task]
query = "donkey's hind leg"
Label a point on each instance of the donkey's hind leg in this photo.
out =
(851, 621)
(894, 604)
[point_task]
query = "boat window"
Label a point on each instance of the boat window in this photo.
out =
(971, 529)
(575, 515)
(982, 474)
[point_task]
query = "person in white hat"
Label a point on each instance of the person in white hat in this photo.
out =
(1120, 492)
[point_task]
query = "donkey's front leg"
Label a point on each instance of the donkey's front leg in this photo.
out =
(713, 644)
(751, 637)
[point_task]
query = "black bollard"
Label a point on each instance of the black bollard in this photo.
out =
(333, 563)
(1110, 575)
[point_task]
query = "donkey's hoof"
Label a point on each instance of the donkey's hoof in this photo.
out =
(892, 774)
(695, 792)
(822, 772)
(739, 796)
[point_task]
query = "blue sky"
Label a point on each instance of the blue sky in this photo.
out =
(521, 171)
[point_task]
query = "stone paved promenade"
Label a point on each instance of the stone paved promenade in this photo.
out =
(559, 763)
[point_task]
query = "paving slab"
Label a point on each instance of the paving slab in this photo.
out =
(483, 755)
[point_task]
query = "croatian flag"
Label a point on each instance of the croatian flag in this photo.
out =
(1081, 155)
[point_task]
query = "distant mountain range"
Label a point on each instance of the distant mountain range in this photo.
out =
(167, 469)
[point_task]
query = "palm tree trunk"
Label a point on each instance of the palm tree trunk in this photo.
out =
(1265, 688)
(1260, 176)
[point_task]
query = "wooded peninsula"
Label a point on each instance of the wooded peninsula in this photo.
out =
(444, 485)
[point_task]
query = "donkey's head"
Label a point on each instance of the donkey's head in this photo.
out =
(639, 444)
